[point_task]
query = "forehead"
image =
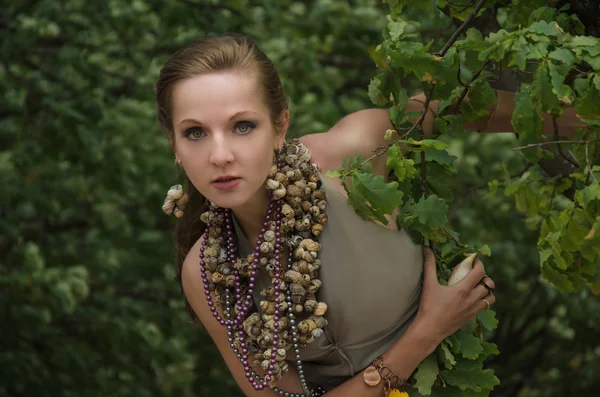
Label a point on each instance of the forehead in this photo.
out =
(214, 97)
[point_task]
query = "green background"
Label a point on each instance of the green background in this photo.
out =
(89, 303)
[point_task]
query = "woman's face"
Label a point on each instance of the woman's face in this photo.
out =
(223, 129)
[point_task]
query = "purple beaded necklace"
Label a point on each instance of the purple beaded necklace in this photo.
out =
(243, 297)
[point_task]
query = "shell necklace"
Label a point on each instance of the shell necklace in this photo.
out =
(290, 316)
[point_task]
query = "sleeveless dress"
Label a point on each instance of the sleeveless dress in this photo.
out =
(372, 279)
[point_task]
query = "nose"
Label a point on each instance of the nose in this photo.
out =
(221, 153)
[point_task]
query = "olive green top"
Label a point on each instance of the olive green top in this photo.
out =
(371, 283)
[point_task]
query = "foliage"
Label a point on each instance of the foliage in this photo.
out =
(545, 48)
(89, 302)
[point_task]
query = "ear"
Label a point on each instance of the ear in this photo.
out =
(282, 128)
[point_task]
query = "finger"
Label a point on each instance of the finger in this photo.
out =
(429, 266)
(480, 292)
(490, 299)
(475, 274)
(488, 281)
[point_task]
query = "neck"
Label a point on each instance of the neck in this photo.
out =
(251, 215)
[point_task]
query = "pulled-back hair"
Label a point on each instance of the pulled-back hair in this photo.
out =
(228, 52)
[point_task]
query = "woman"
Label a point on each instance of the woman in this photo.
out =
(327, 309)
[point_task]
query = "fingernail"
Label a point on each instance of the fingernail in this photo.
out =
(427, 251)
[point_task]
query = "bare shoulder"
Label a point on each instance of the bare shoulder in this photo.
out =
(358, 133)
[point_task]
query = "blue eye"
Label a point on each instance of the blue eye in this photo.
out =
(245, 127)
(194, 133)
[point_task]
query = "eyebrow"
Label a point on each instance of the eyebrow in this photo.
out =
(230, 119)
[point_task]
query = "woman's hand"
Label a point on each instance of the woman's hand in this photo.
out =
(442, 309)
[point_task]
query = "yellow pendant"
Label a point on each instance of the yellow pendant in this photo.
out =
(397, 393)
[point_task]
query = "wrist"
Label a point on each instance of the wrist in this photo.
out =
(424, 334)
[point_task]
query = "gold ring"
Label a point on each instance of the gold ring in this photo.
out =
(487, 303)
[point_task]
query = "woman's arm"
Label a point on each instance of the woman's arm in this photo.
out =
(502, 113)
(442, 310)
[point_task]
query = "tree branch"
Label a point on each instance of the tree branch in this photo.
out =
(462, 28)
(553, 142)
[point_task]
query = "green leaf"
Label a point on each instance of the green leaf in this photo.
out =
(431, 212)
(333, 173)
(484, 250)
(559, 280)
(446, 355)
(490, 348)
(527, 118)
(493, 186)
(426, 374)
(487, 319)
(382, 197)
(470, 346)
(375, 91)
(472, 379)
(396, 28)
(403, 168)
(545, 28)
(588, 194)
(563, 55)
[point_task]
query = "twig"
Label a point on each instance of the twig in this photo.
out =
(462, 28)
(553, 142)
(563, 155)
(467, 88)
(419, 123)
(471, 191)
(587, 161)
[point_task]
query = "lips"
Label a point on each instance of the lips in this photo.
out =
(226, 178)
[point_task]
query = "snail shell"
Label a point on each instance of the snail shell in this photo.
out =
(315, 211)
(319, 320)
(318, 195)
(269, 235)
(306, 326)
(230, 280)
(175, 192)
(217, 278)
(300, 185)
(316, 229)
(304, 267)
(322, 204)
(178, 212)
(279, 193)
(297, 289)
(313, 177)
(168, 206)
(314, 286)
(322, 219)
(205, 217)
(272, 184)
(273, 171)
(210, 252)
(295, 191)
(321, 309)
(183, 200)
(310, 305)
(310, 245)
(266, 247)
(317, 332)
(287, 210)
(305, 205)
(281, 177)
